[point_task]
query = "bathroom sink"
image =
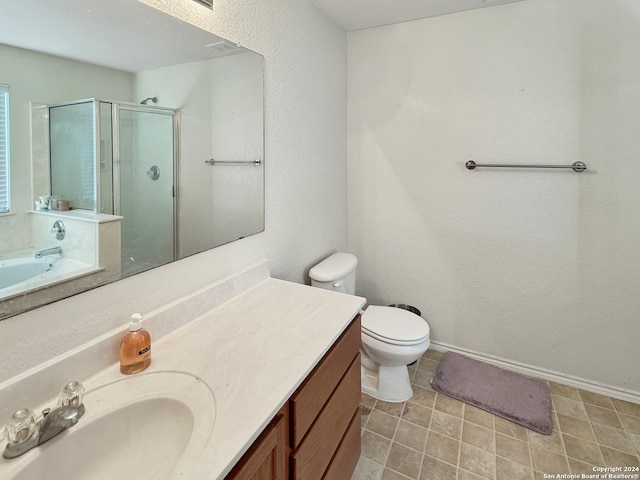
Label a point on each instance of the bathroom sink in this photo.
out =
(148, 426)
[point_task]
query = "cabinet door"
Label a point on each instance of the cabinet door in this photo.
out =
(266, 458)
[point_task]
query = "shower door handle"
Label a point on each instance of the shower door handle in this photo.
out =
(154, 172)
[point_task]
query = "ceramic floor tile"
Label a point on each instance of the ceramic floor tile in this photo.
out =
(446, 424)
(393, 409)
(449, 405)
(434, 437)
(477, 461)
(511, 429)
(513, 449)
(412, 435)
(571, 408)
(443, 448)
(423, 379)
(613, 438)
(631, 423)
(603, 416)
(551, 442)
(583, 450)
(478, 436)
(565, 391)
(418, 414)
(626, 408)
(382, 423)
(435, 469)
(391, 475)
(508, 470)
(367, 470)
(576, 427)
(479, 417)
(618, 459)
(596, 399)
(549, 462)
(423, 396)
(375, 447)
(405, 460)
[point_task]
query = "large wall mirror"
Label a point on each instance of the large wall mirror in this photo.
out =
(128, 139)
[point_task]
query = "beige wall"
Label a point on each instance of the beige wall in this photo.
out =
(536, 267)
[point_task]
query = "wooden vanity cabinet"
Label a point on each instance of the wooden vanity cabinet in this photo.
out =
(267, 457)
(316, 435)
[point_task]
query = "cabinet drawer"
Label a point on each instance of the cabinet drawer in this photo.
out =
(311, 458)
(344, 461)
(307, 402)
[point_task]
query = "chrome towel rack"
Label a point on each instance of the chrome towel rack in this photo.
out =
(213, 161)
(575, 166)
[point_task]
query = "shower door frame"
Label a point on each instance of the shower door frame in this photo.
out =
(115, 134)
(96, 148)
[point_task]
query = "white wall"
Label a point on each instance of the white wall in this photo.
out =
(237, 128)
(305, 161)
(538, 267)
(29, 79)
(221, 117)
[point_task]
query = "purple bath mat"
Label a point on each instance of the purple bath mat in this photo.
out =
(509, 395)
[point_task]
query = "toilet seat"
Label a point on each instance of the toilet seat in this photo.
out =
(394, 325)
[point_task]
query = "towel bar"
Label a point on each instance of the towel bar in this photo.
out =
(575, 166)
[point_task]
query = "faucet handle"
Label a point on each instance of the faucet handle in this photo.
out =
(22, 426)
(72, 394)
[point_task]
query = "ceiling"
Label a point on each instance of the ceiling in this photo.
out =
(358, 14)
(104, 31)
(90, 29)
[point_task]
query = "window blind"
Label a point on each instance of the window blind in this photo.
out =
(4, 148)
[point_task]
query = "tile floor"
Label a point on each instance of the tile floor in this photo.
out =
(434, 437)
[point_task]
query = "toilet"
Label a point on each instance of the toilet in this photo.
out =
(391, 338)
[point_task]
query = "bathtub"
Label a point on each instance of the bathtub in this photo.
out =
(23, 269)
(26, 273)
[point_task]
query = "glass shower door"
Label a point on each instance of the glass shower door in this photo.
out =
(145, 200)
(72, 153)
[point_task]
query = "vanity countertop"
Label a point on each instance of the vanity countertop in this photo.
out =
(253, 351)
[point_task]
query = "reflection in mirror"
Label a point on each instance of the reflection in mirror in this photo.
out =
(145, 156)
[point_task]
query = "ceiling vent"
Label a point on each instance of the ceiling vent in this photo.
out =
(224, 47)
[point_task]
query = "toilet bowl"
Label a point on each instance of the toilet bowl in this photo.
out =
(391, 338)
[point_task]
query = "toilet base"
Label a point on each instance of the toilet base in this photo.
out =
(389, 384)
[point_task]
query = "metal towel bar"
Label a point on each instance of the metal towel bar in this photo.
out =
(575, 166)
(233, 162)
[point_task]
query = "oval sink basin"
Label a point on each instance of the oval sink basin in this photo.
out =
(147, 426)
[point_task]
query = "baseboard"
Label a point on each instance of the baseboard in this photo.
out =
(558, 377)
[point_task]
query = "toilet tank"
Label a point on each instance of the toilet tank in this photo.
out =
(337, 273)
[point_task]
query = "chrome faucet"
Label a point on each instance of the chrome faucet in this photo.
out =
(48, 251)
(25, 433)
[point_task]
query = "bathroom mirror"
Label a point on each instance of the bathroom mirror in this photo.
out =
(141, 134)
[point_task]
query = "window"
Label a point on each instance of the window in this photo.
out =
(4, 148)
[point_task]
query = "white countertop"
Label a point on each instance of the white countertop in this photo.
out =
(253, 351)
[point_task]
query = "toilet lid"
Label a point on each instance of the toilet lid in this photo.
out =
(394, 325)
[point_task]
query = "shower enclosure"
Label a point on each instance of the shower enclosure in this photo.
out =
(120, 159)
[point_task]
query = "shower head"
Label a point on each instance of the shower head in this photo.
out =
(153, 99)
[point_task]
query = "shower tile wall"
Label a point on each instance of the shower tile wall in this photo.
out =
(434, 437)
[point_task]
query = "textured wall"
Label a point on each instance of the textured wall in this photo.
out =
(538, 267)
(305, 162)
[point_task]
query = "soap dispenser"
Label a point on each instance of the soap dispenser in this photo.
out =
(135, 347)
